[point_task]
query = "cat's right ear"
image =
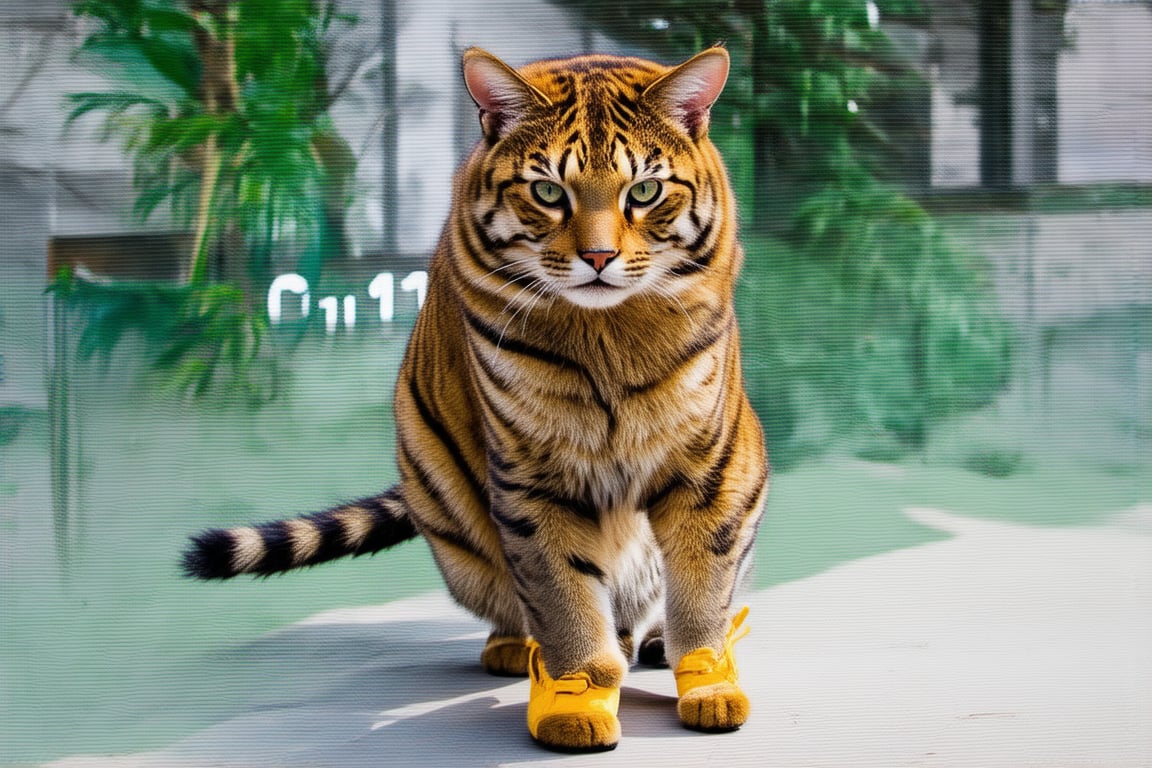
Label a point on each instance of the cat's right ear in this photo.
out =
(686, 93)
(504, 98)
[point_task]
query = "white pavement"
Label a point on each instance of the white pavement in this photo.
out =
(1003, 647)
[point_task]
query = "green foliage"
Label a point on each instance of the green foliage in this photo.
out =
(994, 463)
(868, 352)
(12, 420)
(198, 338)
(146, 39)
(222, 106)
(270, 177)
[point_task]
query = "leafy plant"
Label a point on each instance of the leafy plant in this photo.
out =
(12, 420)
(223, 107)
(864, 355)
(196, 336)
(224, 111)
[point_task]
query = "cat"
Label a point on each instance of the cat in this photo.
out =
(574, 438)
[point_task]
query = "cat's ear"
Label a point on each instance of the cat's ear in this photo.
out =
(686, 93)
(504, 98)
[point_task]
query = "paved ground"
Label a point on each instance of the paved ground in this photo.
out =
(1005, 646)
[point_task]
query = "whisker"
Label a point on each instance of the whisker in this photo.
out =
(668, 294)
(527, 308)
(504, 330)
(539, 295)
(512, 300)
(509, 265)
(553, 296)
(512, 282)
(681, 258)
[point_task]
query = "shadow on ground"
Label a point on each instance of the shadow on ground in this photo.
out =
(1003, 644)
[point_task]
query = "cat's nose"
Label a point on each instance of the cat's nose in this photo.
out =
(598, 259)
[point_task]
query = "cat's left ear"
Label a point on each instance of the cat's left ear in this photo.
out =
(504, 98)
(688, 91)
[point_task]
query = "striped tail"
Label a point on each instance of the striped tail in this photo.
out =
(359, 528)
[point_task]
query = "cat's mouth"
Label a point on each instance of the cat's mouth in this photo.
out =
(596, 294)
(598, 285)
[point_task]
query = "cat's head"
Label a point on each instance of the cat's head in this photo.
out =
(595, 181)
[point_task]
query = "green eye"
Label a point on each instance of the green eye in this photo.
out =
(548, 193)
(644, 192)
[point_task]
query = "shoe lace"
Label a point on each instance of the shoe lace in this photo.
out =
(705, 662)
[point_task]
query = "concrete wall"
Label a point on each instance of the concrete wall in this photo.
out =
(1099, 78)
(1105, 92)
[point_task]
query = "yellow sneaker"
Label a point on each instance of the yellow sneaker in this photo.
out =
(710, 699)
(570, 713)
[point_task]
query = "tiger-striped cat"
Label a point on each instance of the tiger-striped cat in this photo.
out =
(575, 442)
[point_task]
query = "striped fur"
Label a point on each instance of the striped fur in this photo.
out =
(359, 528)
(574, 439)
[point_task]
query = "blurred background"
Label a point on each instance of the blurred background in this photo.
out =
(215, 218)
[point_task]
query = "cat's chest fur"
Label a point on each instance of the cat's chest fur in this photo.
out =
(607, 409)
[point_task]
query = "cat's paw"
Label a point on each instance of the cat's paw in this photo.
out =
(578, 732)
(714, 708)
(652, 652)
(505, 656)
(710, 699)
(572, 713)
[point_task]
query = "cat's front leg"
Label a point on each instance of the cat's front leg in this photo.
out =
(705, 526)
(575, 663)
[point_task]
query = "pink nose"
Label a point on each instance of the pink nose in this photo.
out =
(598, 259)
